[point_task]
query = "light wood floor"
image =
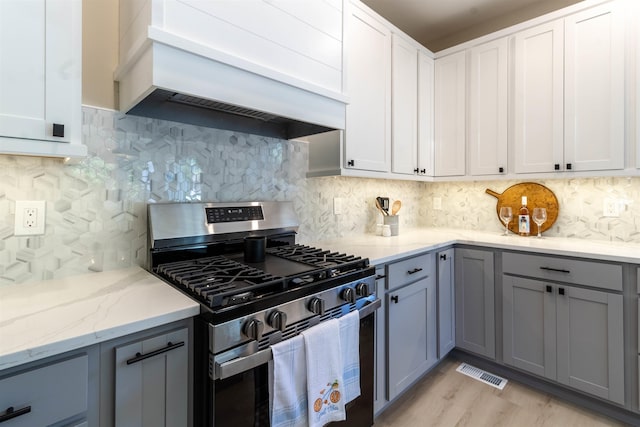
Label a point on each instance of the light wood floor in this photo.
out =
(448, 398)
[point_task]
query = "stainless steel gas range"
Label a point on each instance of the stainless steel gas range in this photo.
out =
(256, 287)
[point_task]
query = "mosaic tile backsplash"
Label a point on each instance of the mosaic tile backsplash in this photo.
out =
(96, 209)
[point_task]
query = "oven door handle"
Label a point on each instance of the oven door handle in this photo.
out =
(242, 364)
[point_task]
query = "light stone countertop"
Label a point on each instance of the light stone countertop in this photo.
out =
(42, 319)
(413, 241)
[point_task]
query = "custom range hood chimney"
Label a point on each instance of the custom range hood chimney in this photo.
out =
(174, 78)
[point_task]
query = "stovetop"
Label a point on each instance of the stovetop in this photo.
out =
(223, 281)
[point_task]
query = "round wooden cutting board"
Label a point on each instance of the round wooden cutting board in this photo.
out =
(538, 196)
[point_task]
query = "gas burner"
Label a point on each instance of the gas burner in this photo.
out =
(219, 281)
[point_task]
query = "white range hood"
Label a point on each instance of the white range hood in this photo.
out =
(171, 71)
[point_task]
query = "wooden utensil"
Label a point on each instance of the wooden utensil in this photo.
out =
(385, 213)
(396, 207)
(538, 196)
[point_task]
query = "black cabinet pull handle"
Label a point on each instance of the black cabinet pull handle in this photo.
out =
(58, 130)
(10, 413)
(568, 166)
(561, 291)
(414, 271)
(501, 169)
(556, 166)
(423, 171)
(549, 288)
(416, 170)
(443, 256)
(351, 163)
(394, 298)
(140, 357)
(558, 270)
(381, 276)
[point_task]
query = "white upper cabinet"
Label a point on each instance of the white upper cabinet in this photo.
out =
(404, 89)
(368, 86)
(40, 78)
(594, 89)
(450, 114)
(569, 93)
(538, 98)
(488, 103)
(425, 113)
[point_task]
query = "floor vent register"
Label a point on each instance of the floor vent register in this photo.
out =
(483, 376)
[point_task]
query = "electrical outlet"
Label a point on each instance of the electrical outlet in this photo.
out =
(338, 203)
(610, 208)
(30, 217)
(437, 203)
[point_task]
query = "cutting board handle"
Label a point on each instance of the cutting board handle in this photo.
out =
(493, 193)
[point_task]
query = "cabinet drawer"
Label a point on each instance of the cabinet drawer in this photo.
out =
(53, 393)
(588, 273)
(411, 269)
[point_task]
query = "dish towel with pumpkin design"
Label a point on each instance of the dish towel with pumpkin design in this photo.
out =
(350, 344)
(325, 385)
(288, 384)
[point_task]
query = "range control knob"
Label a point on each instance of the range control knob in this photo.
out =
(362, 289)
(348, 295)
(316, 306)
(278, 320)
(253, 329)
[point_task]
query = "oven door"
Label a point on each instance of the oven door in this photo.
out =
(240, 395)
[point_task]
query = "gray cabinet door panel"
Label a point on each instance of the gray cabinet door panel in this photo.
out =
(590, 342)
(412, 337)
(474, 293)
(446, 303)
(529, 326)
(153, 391)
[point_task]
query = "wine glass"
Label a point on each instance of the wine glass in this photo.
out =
(506, 215)
(539, 217)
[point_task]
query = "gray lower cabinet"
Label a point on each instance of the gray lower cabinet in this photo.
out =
(566, 334)
(474, 295)
(446, 302)
(54, 393)
(412, 333)
(379, 357)
(152, 381)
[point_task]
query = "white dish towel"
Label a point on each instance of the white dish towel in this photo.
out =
(288, 384)
(325, 385)
(350, 344)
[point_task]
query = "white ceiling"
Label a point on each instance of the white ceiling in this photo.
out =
(438, 24)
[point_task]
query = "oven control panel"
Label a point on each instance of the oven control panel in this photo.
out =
(233, 214)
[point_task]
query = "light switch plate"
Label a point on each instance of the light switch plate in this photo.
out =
(30, 217)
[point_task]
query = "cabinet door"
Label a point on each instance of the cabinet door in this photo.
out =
(474, 290)
(590, 342)
(412, 338)
(450, 114)
(594, 89)
(40, 70)
(425, 114)
(368, 85)
(153, 391)
(380, 380)
(529, 325)
(538, 98)
(404, 107)
(488, 81)
(446, 303)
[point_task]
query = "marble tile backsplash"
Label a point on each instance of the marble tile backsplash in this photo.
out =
(96, 209)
